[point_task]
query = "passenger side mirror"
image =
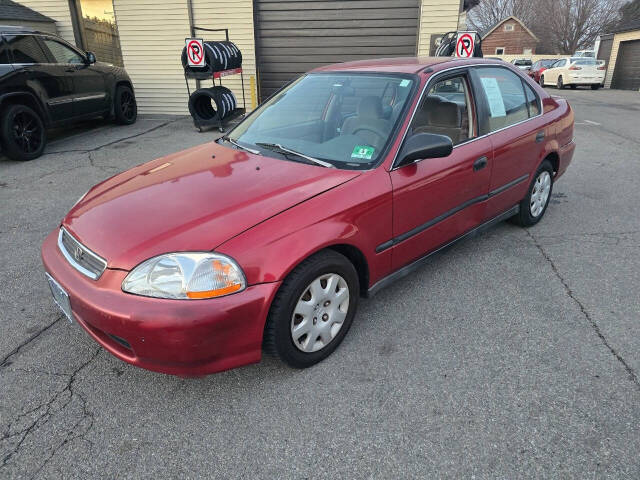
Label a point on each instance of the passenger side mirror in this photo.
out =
(91, 58)
(424, 145)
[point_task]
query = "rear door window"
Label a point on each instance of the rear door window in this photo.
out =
(504, 96)
(26, 49)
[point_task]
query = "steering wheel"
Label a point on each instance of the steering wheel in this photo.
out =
(373, 130)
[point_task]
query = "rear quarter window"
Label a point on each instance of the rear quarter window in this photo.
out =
(4, 53)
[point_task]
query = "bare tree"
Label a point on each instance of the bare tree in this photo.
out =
(563, 26)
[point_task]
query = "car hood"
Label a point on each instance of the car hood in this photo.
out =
(193, 200)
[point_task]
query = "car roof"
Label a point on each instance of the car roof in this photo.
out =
(404, 64)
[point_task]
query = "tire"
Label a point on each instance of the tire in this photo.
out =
(542, 80)
(560, 84)
(125, 107)
(211, 104)
(22, 132)
(528, 215)
(306, 349)
(595, 87)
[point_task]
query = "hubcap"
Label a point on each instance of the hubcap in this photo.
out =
(320, 313)
(127, 105)
(540, 193)
(27, 132)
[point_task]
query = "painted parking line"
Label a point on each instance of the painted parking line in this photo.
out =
(590, 122)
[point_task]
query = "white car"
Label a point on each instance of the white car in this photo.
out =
(522, 63)
(575, 71)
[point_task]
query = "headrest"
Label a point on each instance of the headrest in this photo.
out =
(442, 113)
(370, 107)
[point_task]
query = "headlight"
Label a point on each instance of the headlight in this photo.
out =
(186, 275)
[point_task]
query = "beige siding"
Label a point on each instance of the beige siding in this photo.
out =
(436, 17)
(59, 11)
(237, 16)
(152, 34)
(620, 37)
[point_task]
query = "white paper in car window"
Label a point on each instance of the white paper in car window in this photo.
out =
(494, 97)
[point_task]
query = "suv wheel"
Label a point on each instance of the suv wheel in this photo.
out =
(125, 107)
(22, 132)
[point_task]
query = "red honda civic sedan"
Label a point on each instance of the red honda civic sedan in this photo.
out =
(345, 180)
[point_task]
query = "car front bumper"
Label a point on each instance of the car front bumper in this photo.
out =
(178, 337)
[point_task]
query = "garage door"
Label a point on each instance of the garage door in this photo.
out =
(627, 73)
(294, 36)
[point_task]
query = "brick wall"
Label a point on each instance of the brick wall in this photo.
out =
(514, 42)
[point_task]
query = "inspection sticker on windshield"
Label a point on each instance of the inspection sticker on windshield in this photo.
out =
(363, 151)
(404, 83)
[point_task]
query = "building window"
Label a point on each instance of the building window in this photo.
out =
(96, 30)
(527, 51)
(508, 27)
(500, 51)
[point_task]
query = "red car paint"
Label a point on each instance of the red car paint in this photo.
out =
(269, 215)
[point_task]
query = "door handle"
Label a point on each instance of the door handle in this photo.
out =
(540, 136)
(480, 163)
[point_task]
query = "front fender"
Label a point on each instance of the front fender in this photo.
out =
(357, 213)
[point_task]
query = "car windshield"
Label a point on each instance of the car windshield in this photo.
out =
(345, 120)
(522, 63)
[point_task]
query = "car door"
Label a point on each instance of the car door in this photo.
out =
(551, 74)
(511, 118)
(49, 81)
(438, 199)
(88, 83)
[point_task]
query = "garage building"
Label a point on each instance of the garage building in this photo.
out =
(287, 37)
(623, 66)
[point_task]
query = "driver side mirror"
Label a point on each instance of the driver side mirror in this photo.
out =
(91, 58)
(424, 145)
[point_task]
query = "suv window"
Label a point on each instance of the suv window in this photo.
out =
(26, 49)
(4, 53)
(505, 99)
(60, 52)
(532, 100)
(446, 110)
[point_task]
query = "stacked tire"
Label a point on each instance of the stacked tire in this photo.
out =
(211, 105)
(218, 56)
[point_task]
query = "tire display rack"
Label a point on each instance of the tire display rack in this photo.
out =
(219, 123)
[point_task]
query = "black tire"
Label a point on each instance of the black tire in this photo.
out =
(560, 83)
(22, 132)
(125, 107)
(525, 218)
(278, 339)
(595, 87)
(211, 104)
(542, 80)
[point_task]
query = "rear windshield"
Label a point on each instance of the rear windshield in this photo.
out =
(523, 62)
(586, 61)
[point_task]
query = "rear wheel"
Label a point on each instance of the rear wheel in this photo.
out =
(595, 87)
(560, 83)
(313, 310)
(124, 105)
(22, 132)
(534, 205)
(542, 80)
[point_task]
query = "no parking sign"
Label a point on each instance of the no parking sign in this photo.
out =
(195, 52)
(465, 44)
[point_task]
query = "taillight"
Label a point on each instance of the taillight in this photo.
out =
(602, 67)
(575, 68)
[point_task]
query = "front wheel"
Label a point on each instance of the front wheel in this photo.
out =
(22, 132)
(124, 105)
(535, 204)
(313, 310)
(542, 80)
(560, 83)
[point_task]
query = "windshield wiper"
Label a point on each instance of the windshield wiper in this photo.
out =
(284, 150)
(233, 142)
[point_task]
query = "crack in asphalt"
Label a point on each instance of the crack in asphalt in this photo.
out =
(632, 374)
(48, 412)
(6, 360)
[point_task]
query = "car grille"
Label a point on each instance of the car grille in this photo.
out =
(79, 256)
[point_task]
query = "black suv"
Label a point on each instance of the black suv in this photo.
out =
(46, 82)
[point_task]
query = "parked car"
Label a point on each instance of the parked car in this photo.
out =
(46, 82)
(344, 181)
(522, 63)
(538, 67)
(573, 72)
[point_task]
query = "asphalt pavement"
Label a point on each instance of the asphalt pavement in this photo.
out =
(515, 354)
